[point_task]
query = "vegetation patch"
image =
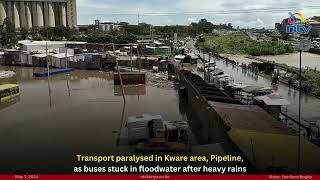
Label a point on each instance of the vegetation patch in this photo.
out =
(240, 43)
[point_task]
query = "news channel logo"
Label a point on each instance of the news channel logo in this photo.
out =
(297, 24)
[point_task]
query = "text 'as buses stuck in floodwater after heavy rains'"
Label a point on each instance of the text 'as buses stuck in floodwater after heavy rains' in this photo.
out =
(158, 158)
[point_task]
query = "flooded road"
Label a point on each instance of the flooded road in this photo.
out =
(76, 114)
(310, 104)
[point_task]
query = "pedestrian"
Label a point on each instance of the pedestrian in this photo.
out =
(309, 131)
(151, 129)
(315, 69)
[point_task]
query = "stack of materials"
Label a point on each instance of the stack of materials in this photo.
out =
(6, 74)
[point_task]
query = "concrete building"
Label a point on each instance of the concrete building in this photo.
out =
(53, 46)
(107, 26)
(30, 13)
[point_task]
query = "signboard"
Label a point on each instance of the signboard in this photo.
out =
(305, 45)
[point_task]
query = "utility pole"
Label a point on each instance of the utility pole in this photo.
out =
(48, 68)
(139, 57)
(151, 32)
(209, 67)
(304, 45)
(204, 69)
(67, 53)
(131, 57)
(299, 127)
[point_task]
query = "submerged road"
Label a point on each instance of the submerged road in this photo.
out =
(310, 104)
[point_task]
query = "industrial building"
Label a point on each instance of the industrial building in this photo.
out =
(30, 13)
(107, 26)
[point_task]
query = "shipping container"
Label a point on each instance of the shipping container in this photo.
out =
(93, 60)
(11, 57)
(24, 59)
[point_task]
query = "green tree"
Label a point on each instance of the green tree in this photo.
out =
(8, 34)
(24, 32)
(47, 33)
(35, 33)
(205, 26)
(125, 38)
(59, 33)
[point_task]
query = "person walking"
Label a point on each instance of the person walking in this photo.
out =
(151, 129)
(309, 133)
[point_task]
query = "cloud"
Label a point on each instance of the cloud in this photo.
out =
(243, 13)
(191, 19)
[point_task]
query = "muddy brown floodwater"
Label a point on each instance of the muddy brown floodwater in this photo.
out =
(80, 113)
(308, 60)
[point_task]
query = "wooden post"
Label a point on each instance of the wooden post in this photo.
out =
(120, 78)
(121, 124)
(139, 58)
(67, 53)
(48, 68)
(131, 57)
(299, 130)
(209, 67)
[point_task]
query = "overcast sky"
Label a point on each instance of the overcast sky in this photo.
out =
(243, 13)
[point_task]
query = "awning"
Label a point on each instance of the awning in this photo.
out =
(179, 57)
(273, 99)
(237, 86)
(276, 151)
(250, 89)
(40, 55)
(61, 55)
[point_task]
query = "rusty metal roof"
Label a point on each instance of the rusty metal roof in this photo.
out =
(249, 117)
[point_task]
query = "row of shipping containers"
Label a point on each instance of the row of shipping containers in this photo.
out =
(77, 61)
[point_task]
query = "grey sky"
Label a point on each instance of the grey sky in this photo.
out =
(243, 13)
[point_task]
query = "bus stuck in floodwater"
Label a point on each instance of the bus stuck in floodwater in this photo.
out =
(8, 91)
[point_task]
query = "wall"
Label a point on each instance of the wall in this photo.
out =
(130, 78)
(208, 125)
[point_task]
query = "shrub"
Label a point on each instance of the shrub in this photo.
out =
(236, 43)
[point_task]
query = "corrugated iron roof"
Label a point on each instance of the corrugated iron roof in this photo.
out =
(266, 150)
(249, 117)
(273, 99)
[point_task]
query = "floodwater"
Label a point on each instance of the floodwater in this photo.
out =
(80, 113)
(308, 60)
(310, 104)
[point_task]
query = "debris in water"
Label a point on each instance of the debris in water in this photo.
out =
(159, 80)
(6, 74)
